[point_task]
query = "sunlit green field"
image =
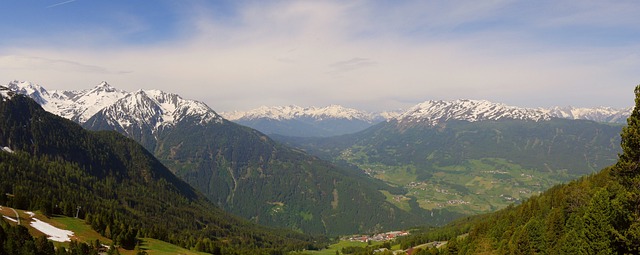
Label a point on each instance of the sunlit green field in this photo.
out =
(337, 247)
(477, 186)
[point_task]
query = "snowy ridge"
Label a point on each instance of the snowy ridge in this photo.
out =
(434, 112)
(34, 91)
(91, 101)
(389, 115)
(294, 112)
(152, 108)
(78, 106)
(157, 110)
(599, 114)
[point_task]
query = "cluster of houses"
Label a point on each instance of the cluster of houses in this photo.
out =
(379, 237)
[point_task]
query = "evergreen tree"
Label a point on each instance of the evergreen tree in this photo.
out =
(598, 229)
(629, 161)
(44, 246)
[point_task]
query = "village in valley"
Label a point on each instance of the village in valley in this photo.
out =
(388, 236)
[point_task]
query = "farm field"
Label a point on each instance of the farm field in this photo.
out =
(477, 186)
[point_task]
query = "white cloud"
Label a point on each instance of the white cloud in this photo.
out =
(355, 54)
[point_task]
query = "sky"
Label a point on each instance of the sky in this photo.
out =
(369, 55)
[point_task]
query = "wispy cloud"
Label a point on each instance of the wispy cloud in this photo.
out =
(387, 56)
(13, 62)
(351, 64)
(61, 3)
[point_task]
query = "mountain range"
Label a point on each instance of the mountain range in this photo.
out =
(442, 159)
(241, 170)
(471, 156)
(337, 120)
(310, 121)
(596, 214)
(53, 165)
(238, 168)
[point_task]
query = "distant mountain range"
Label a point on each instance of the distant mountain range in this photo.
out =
(431, 113)
(238, 168)
(581, 217)
(599, 114)
(337, 120)
(472, 156)
(310, 121)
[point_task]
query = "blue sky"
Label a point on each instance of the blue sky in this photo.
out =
(372, 55)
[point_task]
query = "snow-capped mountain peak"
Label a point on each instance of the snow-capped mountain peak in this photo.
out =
(599, 114)
(104, 86)
(155, 110)
(434, 112)
(89, 102)
(150, 108)
(34, 91)
(293, 112)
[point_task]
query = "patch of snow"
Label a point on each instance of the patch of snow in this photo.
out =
(31, 214)
(5, 93)
(9, 218)
(7, 149)
(53, 233)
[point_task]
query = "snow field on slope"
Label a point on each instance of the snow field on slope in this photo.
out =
(9, 218)
(53, 233)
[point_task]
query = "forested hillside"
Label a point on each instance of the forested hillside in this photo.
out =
(473, 167)
(248, 174)
(53, 165)
(597, 214)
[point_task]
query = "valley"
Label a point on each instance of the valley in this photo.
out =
(427, 166)
(467, 189)
(470, 167)
(238, 168)
(319, 127)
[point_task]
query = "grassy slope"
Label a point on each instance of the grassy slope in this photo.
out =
(84, 233)
(338, 246)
